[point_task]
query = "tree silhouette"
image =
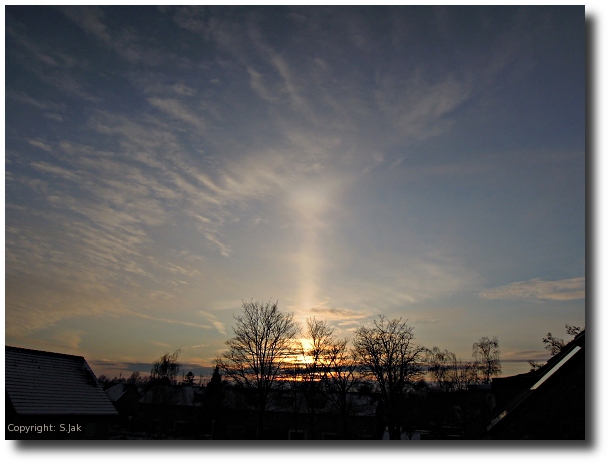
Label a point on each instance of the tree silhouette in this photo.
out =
(388, 353)
(554, 344)
(189, 379)
(215, 403)
(320, 338)
(486, 353)
(135, 379)
(259, 351)
(450, 373)
(342, 379)
(166, 369)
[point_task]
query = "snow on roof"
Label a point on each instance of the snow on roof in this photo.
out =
(115, 392)
(48, 383)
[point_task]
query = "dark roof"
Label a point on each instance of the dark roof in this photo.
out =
(48, 383)
(117, 391)
(552, 405)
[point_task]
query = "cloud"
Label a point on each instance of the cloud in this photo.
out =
(258, 85)
(337, 313)
(54, 170)
(54, 68)
(40, 145)
(126, 43)
(90, 19)
(54, 117)
(70, 339)
(525, 355)
(177, 110)
(192, 19)
(41, 299)
(165, 345)
(166, 320)
(249, 184)
(22, 97)
(420, 109)
(183, 89)
(537, 289)
(426, 321)
(199, 346)
(220, 326)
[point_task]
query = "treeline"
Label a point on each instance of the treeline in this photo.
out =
(266, 356)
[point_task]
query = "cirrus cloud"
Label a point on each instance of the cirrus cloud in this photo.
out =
(537, 289)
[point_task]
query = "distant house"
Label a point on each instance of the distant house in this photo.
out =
(53, 396)
(125, 398)
(546, 404)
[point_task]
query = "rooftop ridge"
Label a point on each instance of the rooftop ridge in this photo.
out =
(42, 352)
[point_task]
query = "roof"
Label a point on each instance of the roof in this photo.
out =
(552, 406)
(117, 391)
(48, 383)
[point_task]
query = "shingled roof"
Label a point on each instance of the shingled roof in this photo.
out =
(48, 383)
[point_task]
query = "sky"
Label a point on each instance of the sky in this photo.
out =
(164, 164)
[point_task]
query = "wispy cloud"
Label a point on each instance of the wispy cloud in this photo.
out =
(525, 355)
(51, 67)
(165, 345)
(538, 289)
(317, 161)
(419, 108)
(55, 300)
(124, 42)
(70, 339)
(323, 311)
(41, 104)
(219, 325)
(177, 110)
(167, 320)
(40, 145)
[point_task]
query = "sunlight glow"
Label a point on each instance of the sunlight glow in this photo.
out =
(310, 202)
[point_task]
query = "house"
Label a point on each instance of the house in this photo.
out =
(546, 404)
(53, 396)
(125, 398)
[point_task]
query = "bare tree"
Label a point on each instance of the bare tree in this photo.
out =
(439, 366)
(573, 330)
(166, 368)
(486, 353)
(388, 353)
(135, 379)
(555, 344)
(449, 372)
(320, 338)
(161, 389)
(259, 351)
(342, 379)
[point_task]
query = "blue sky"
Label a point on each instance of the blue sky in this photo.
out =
(163, 164)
